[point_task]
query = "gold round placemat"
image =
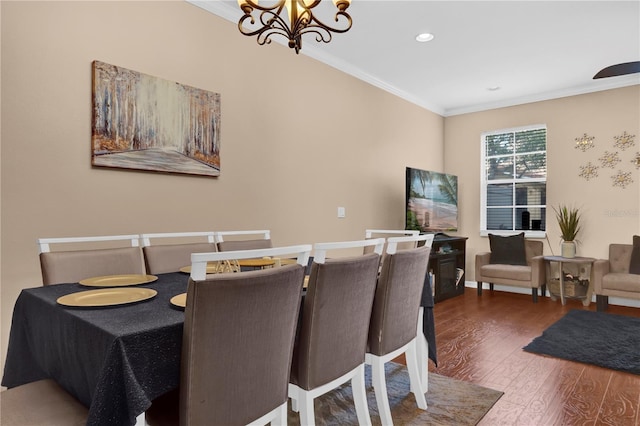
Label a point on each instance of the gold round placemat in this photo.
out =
(107, 297)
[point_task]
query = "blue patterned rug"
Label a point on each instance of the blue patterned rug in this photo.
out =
(606, 340)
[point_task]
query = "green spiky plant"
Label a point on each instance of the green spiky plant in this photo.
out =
(569, 222)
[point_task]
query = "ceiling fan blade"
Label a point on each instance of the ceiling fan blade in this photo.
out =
(618, 69)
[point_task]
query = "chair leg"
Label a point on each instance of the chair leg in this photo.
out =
(281, 418)
(359, 397)
(380, 388)
(534, 294)
(602, 303)
(305, 406)
(543, 290)
(479, 288)
(491, 286)
(414, 375)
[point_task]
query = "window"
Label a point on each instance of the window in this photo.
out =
(514, 181)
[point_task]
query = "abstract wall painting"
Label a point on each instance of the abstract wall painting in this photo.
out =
(142, 122)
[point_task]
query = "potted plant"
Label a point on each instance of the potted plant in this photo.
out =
(569, 223)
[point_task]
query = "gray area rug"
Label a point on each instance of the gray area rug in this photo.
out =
(606, 340)
(450, 402)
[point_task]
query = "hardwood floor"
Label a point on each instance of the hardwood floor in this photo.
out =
(480, 340)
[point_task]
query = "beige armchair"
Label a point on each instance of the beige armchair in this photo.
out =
(611, 277)
(531, 275)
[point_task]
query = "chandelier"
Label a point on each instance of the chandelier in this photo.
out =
(299, 20)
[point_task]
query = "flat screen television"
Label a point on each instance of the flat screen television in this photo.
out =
(431, 201)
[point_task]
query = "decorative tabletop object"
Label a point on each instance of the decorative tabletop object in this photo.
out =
(569, 223)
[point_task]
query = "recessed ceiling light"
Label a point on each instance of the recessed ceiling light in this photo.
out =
(493, 88)
(424, 37)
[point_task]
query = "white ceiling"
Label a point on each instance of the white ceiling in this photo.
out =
(532, 50)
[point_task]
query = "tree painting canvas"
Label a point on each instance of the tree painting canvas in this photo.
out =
(142, 122)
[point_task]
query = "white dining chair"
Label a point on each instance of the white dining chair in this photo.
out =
(171, 251)
(239, 240)
(44, 244)
(199, 260)
(396, 311)
(238, 335)
(385, 233)
(76, 264)
(388, 233)
(340, 291)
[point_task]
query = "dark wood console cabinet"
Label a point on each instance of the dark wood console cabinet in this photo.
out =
(446, 264)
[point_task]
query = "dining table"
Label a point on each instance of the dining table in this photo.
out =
(115, 359)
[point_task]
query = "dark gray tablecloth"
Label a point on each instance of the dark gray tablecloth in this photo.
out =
(115, 360)
(428, 321)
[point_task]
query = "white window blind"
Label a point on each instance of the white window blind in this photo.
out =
(514, 181)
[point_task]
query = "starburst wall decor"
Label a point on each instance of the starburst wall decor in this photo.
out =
(589, 171)
(609, 159)
(624, 141)
(622, 179)
(584, 142)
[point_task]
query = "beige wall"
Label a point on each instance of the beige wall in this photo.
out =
(611, 214)
(298, 140)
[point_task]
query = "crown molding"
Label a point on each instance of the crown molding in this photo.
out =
(619, 82)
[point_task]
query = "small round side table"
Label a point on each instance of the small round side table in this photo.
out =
(586, 299)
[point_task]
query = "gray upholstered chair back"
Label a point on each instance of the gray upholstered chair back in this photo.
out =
(240, 240)
(244, 244)
(620, 258)
(238, 338)
(72, 266)
(335, 320)
(397, 300)
(173, 252)
(170, 258)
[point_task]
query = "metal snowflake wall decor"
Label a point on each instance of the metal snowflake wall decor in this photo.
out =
(588, 171)
(584, 142)
(624, 141)
(609, 159)
(622, 179)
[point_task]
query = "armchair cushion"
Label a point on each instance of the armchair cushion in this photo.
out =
(507, 250)
(634, 265)
(621, 282)
(506, 272)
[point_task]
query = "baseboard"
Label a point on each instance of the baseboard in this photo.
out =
(619, 301)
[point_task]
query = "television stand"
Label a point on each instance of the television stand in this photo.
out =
(447, 266)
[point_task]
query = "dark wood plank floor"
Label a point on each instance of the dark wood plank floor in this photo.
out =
(480, 340)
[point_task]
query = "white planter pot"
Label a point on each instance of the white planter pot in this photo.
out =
(568, 249)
